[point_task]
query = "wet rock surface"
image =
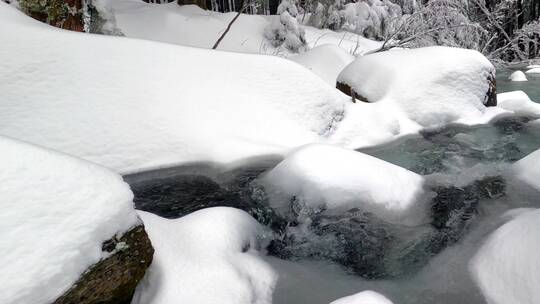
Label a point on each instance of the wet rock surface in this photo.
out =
(113, 280)
(374, 249)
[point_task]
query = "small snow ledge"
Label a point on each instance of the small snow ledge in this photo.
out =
(324, 177)
(518, 102)
(364, 297)
(56, 213)
(533, 71)
(506, 267)
(207, 257)
(433, 85)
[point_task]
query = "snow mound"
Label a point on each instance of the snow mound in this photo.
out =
(207, 257)
(533, 71)
(518, 102)
(326, 61)
(533, 66)
(56, 213)
(133, 104)
(518, 76)
(506, 267)
(433, 85)
(527, 170)
(324, 177)
(364, 297)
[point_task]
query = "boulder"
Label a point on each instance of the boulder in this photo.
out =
(432, 85)
(68, 230)
(113, 280)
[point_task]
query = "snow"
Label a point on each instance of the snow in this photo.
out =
(174, 24)
(364, 297)
(527, 170)
(518, 76)
(326, 61)
(533, 71)
(352, 43)
(56, 213)
(325, 177)
(518, 102)
(533, 66)
(133, 105)
(446, 84)
(209, 256)
(506, 267)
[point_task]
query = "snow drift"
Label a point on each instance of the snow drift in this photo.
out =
(326, 61)
(433, 85)
(56, 213)
(207, 257)
(333, 179)
(132, 104)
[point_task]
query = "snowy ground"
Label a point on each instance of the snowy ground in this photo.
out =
(189, 25)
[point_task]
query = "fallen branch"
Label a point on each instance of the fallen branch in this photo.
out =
(244, 6)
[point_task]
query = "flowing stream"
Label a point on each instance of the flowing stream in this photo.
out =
(463, 165)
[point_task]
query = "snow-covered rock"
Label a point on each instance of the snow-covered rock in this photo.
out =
(207, 257)
(518, 76)
(506, 267)
(324, 177)
(57, 211)
(518, 102)
(364, 297)
(433, 85)
(527, 170)
(326, 61)
(533, 71)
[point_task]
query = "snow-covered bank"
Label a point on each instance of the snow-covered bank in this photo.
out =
(506, 267)
(133, 105)
(56, 213)
(207, 257)
(527, 170)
